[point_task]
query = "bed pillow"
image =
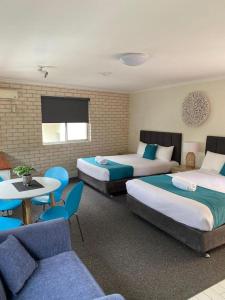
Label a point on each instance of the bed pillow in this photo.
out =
(150, 151)
(16, 264)
(222, 171)
(213, 161)
(141, 148)
(164, 153)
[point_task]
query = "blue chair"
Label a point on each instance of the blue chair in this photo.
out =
(68, 209)
(6, 205)
(7, 223)
(58, 173)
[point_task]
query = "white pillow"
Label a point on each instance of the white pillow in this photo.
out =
(164, 153)
(141, 148)
(213, 161)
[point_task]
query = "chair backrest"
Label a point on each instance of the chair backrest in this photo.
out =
(73, 198)
(62, 175)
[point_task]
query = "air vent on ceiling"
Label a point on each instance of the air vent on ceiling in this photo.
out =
(7, 94)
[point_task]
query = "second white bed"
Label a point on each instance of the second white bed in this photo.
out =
(180, 209)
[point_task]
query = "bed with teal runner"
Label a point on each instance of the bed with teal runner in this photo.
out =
(116, 171)
(214, 200)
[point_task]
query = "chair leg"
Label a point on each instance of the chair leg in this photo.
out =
(81, 233)
(44, 207)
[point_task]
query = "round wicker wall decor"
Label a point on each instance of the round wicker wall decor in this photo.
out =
(196, 108)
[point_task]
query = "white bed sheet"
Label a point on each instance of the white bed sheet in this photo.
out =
(142, 166)
(181, 209)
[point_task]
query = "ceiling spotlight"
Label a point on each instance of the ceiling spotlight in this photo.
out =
(44, 70)
(133, 59)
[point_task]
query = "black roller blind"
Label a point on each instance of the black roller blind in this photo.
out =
(64, 110)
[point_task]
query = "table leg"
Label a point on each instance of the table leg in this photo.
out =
(26, 212)
(52, 199)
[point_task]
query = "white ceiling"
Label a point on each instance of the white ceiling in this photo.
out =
(184, 38)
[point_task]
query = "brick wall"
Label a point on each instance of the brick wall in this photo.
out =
(21, 134)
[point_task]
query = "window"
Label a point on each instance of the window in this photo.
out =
(64, 132)
(64, 119)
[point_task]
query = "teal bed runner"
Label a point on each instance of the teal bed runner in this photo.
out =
(214, 200)
(116, 171)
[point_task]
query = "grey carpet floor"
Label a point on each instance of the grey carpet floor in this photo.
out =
(127, 255)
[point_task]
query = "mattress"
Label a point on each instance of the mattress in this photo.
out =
(180, 209)
(142, 166)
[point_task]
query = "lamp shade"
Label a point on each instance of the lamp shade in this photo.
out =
(191, 147)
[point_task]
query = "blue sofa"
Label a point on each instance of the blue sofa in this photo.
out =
(60, 274)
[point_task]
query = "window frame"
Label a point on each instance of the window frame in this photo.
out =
(66, 136)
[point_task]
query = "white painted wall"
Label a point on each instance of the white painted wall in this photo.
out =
(162, 110)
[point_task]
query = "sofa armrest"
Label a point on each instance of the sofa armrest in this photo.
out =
(44, 239)
(111, 297)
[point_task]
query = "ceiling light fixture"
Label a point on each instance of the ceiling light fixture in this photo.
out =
(44, 70)
(133, 59)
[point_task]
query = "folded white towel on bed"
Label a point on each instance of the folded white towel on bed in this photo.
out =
(184, 184)
(101, 160)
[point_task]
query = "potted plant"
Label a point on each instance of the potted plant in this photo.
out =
(25, 173)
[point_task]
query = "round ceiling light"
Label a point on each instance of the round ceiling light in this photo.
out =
(133, 59)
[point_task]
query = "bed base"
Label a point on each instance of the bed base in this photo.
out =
(200, 241)
(109, 188)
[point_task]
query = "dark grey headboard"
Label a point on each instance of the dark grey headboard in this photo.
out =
(164, 139)
(215, 144)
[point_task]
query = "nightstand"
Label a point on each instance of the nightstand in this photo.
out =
(181, 168)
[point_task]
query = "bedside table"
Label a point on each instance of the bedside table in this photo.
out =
(181, 168)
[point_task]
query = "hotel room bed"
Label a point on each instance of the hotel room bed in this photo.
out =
(141, 166)
(99, 177)
(187, 220)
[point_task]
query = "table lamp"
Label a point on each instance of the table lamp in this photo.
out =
(191, 148)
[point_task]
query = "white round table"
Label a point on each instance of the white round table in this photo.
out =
(9, 191)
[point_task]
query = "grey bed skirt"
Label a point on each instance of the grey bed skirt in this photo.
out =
(106, 187)
(200, 241)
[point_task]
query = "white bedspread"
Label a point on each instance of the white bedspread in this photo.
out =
(181, 209)
(142, 166)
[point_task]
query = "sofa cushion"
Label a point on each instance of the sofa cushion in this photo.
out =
(44, 239)
(61, 277)
(16, 264)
